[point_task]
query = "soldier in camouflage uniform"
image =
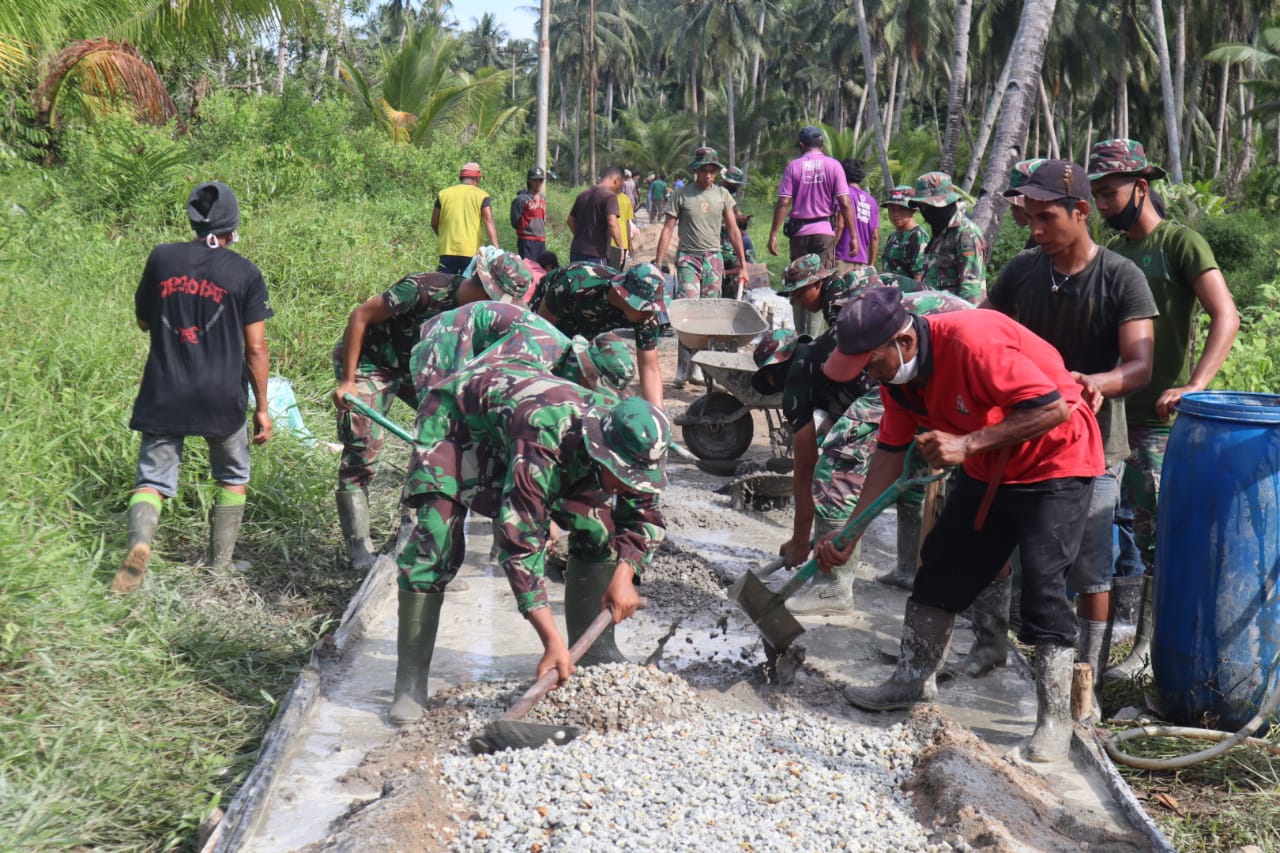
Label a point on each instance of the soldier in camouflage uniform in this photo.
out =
(371, 363)
(955, 258)
(514, 333)
(734, 180)
(526, 448)
(587, 299)
(904, 250)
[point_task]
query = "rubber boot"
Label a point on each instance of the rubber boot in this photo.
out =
(910, 518)
(684, 356)
(828, 592)
(926, 635)
(415, 643)
(1126, 595)
(990, 647)
(144, 518)
(1138, 660)
(584, 584)
(1092, 648)
(1052, 737)
(224, 527)
(353, 516)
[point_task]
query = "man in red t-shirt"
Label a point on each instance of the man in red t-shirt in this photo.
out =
(996, 400)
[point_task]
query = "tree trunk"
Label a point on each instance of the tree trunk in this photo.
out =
(591, 103)
(1054, 151)
(1027, 56)
(577, 133)
(1166, 87)
(955, 99)
(902, 100)
(1188, 135)
(282, 59)
(1122, 87)
(869, 66)
(729, 103)
(988, 122)
(862, 111)
(544, 84)
(1180, 74)
(890, 120)
(755, 62)
(1224, 82)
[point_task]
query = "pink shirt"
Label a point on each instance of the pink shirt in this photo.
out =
(813, 182)
(866, 217)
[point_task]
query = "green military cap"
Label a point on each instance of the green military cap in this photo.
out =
(1022, 170)
(733, 175)
(611, 359)
(776, 347)
(934, 189)
(641, 286)
(802, 272)
(838, 290)
(630, 440)
(899, 195)
(503, 275)
(705, 157)
(1121, 157)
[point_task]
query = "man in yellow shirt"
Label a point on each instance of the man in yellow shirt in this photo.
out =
(618, 251)
(460, 212)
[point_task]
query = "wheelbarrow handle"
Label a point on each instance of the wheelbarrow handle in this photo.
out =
(543, 685)
(378, 418)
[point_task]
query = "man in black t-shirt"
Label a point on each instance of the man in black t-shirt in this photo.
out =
(593, 220)
(205, 308)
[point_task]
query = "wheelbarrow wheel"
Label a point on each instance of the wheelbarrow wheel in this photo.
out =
(708, 431)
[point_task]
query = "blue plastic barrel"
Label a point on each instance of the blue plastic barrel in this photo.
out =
(1217, 625)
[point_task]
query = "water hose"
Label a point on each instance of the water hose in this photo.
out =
(1226, 740)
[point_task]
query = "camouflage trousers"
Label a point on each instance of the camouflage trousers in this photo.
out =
(700, 274)
(844, 459)
(361, 438)
(437, 546)
(1141, 483)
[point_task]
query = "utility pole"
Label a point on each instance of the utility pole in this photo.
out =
(544, 82)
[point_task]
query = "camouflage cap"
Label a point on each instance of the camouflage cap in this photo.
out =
(503, 275)
(1022, 170)
(1121, 157)
(777, 347)
(840, 289)
(734, 175)
(899, 195)
(641, 286)
(705, 157)
(611, 360)
(934, 189)
(802, 272)
(630, 440)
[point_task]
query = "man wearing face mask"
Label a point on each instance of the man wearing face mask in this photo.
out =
(997, 400)
(955, 258)
(1182, 272)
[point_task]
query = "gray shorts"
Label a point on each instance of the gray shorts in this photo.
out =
(1094, 566)
(160, 455)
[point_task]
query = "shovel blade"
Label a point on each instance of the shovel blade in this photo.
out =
(767, 610)
(508, 734)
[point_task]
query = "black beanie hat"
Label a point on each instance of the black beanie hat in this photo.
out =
(213, 209)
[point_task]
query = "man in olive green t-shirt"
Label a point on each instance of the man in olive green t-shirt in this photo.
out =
(1182, 273)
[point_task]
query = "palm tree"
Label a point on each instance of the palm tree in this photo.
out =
(728, 26)
(98, 72)
(661, 145)
(959, 79)
(484, 41)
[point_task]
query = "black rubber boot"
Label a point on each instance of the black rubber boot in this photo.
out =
(1126, 597)
(990, 647)
(828, 592)
(353, 516)
(1140, 658)
(1052, 737)
(224, 528)
(910, 523)
(144, 518)
(926, 635)
(584, 584)
(1092, 648)
(415, 643)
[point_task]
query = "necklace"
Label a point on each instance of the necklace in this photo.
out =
(1056, 284)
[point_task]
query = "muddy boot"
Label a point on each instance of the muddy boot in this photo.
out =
(683, 357)
(415, 643)
(1139, 659)
(224, 527)
(1052, 737)
(828, 592)
(557, 558)
(926, 635)
(353, 517)
(990, 647)
(584, 584)
(903, 576)
(144, 518)
(1126, 597)
(1092, 648)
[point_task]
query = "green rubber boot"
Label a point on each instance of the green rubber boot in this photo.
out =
(584, 584)
(353, 516)
(910, 523)
(415, 643)
(1052, 737)
(1140, 658)
(224, 528)
(144, 518)
(926, 635)
(828, 592)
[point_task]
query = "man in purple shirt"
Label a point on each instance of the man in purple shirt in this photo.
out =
(812, 191)
(866, 213)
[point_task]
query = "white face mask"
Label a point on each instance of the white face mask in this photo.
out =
(906, 369)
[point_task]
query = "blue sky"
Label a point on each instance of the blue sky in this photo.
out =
(519, 21)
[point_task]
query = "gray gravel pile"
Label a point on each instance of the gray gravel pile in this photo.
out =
(710, 781)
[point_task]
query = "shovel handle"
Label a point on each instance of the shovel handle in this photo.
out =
(543, 685)
(378, 418)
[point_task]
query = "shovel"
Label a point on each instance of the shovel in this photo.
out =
(507, 732)
(768, 609)
(378, 418)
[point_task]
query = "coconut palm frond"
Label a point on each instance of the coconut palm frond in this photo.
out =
(104, 70)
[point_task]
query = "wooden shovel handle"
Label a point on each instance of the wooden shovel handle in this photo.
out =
(543, 685)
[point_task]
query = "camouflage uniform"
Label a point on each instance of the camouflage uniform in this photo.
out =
(577, 296)
(513, 443)
(955, 257)
(904, 252)
(700, 274)
(513, 332)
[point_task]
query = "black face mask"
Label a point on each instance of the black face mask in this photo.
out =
(1124, 220)
(938, 217)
